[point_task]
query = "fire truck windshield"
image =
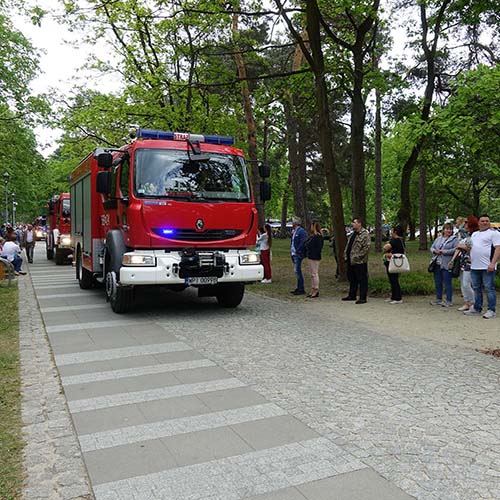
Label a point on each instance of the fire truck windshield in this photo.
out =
(66, 207)
(167, 173)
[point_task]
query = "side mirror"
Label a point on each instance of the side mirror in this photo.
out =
(103, 182)
(264, 171)
(265, 191)
(105, 160)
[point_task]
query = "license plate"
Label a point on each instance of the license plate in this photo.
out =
(202, 280)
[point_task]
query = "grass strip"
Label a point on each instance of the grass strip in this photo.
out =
(11, 443)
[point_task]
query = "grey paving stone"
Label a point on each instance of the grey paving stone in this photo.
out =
(108, 418)
(94, 390)
(273, 432)
(201, 375)
(285, 494)
(203, 446)
(132, 460)
(172, 427)
(363, 484)
(231, 398)
(184, 406)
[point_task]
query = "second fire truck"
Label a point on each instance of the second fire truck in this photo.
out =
(58, 238)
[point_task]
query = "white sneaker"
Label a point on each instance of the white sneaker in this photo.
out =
(266, 281)
(472, 312)
(446, 304)
(437, 302)
(489, 314)
(396, 302)
(464, 308)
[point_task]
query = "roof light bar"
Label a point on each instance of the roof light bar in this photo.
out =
(145, 133)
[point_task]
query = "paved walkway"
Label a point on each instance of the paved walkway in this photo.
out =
(182, 400)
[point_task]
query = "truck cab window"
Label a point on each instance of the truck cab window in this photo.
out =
(172, 173)
(124, 178)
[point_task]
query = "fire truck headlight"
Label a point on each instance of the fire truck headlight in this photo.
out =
(248, 259)
(138, 260)
(66, 241)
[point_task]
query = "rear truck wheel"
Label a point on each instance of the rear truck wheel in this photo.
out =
(59, 258)
(230, 294)
(84, 276)
(119, 297)
(50, 253)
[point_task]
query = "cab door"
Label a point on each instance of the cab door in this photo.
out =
(122, 195)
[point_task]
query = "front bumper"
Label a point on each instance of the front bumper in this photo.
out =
(167, 269)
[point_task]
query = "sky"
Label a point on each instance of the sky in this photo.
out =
(60, 64)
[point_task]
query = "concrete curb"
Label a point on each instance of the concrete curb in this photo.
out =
(53, 464)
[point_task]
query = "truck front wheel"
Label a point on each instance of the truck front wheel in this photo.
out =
(120, 298)
(230, 294)
(84, 276)
(59, 258)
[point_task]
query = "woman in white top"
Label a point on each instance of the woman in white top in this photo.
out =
(264, 243)
(11, 251)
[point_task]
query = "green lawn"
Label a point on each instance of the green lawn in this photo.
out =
(417, 282)
(11, 444)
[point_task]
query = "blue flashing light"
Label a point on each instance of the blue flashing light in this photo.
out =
(221, 140)
(167, 231)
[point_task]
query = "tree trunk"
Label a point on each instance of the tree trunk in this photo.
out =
(378, 173)
(422, 209)
(296, 132)
(411, 226)
(326, 133)
(357, 137)
(284, 210)
(250, 122)
(430, 58)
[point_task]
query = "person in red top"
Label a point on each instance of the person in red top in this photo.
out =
(264, 243)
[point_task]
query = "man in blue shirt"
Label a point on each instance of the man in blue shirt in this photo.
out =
(298, 252)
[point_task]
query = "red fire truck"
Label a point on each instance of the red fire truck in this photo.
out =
(58, 239)
(167, 209)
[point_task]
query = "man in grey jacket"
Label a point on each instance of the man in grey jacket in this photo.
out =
(356, 257)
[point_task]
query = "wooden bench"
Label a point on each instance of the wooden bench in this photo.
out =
(6, 270)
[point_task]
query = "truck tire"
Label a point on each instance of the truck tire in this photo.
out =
(84, 276)
(50, 253)
(230, 294)
(59, 258)
(120, 298)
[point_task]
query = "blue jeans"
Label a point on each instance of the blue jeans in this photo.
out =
(484, 278)
(443, 276)
(297, 267)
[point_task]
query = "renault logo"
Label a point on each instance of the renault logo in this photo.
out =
(200, 224)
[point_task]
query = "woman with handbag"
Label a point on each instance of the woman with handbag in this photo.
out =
(462, 256)
(443, 248)
(394, 246)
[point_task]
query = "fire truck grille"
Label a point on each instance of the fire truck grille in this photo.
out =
(192, 235)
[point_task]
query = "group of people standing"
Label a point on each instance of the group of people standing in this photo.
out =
(475, 248)
(472, 246)
(12, 241)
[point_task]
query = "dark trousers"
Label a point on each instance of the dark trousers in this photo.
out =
(30, 250)
(394, 281)
(357, 275)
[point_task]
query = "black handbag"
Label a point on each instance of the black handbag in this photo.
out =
(455, 266)
(432, 264)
